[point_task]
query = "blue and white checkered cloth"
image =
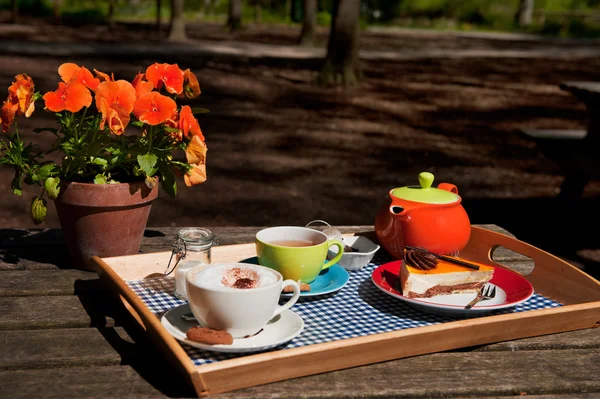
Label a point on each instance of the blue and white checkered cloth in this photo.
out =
(357, 310)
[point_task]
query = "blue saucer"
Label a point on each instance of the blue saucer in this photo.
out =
(329, 280)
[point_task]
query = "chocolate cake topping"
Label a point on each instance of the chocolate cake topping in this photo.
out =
(420, 260)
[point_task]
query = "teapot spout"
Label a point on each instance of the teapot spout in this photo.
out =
(396, 209)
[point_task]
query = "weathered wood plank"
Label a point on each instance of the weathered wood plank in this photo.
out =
(580, 339)
(65, 347)
(49, 282)
(40, 312)
(76, 382)
(450, 375)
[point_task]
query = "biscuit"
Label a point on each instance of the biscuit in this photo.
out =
(209, 336)
(303, 287)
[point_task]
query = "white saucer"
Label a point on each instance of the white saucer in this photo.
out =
(279, 330)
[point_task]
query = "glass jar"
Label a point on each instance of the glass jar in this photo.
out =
(191, 248)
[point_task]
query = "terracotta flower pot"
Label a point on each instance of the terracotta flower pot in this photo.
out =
(103, 219)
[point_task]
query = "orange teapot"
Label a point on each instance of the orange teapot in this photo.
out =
(423, 216)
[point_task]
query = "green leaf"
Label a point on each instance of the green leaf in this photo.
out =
(51, 186)
(137, 123)
(200, 111)
(38, 210)
(99, 161)
(15, 185)
(168, 183)
(45, 171)
(147, 163)
(171, 130)
(100, 179)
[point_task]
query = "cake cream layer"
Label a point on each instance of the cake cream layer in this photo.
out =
(446, 278)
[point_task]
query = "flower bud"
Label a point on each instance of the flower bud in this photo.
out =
(51, 186)
(38, 210)
(150, 182)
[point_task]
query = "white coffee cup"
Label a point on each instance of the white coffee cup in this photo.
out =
(240, 311)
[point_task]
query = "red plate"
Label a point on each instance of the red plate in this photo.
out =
(511, 289)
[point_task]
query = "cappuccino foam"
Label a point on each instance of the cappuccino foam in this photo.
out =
(235, 276)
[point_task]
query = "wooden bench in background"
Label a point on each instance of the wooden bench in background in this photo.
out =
(575, 151)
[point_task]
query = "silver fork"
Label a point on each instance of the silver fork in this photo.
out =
(488, 291)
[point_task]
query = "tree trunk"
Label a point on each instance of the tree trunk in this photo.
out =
(177, 33)
(307, 37)
(235, 15)
(342, 64)
(257, 13)
(111, 14)
(158, 9)
(524, 13)
(56, 11)
(14, 14)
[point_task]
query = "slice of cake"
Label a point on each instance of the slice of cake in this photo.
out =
(422, 275)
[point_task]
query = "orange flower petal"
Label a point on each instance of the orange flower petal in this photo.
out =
(155, 74)
(76, 96)
(195, 152)
(20, 94)
(188, 123)
(7, 115)
(72, 72)
(120, 92)
(141, 86)
(118, 119)
(191, 86)
(153, 108)
(173, 79)
(103, 77)
(54, 100)
(71, 97)
(68, 71)
(196, 175)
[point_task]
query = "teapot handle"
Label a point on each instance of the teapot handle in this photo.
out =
(448, 187)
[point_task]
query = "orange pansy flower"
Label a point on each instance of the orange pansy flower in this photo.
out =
(169, 75)
(141, 86)
(69, 71)
(71, 96)
(7, 115)
(20, 94)
(115, 101)
(191, 86)
(116, 117)
(196, 175)
(153, 108)
(188, 123)
(195, 153)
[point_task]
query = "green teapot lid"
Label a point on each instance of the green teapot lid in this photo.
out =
(424, 192)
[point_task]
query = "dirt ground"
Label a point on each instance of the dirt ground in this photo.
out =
(285, 151)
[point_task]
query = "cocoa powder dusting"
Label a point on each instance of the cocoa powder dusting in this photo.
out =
(242, 283)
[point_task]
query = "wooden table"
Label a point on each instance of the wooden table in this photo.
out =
(63, 335)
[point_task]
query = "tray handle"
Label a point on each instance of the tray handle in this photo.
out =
(551, 276)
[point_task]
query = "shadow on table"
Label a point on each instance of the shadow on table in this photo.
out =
(566, 231)
(41, 247)
(133, 344)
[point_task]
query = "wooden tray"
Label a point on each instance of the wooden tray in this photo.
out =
(551, 277)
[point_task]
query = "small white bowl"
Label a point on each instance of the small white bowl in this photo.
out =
(355, 260)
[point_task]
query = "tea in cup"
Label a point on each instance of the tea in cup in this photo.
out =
(237, 297)
(298, 253)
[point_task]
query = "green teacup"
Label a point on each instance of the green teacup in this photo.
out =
(298, 253)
